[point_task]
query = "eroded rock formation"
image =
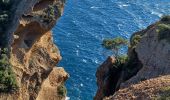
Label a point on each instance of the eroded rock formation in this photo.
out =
(33, 55)
(152, 89)
(149, 55)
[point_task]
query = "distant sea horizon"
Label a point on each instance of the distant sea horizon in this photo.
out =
(83, 26)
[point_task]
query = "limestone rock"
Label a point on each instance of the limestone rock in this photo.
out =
(33, 54)
(149, 74)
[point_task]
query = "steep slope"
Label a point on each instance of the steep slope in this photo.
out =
(148, 59)
(32, 54)
(156, 88)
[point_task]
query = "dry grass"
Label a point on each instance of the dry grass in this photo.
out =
(156, 88)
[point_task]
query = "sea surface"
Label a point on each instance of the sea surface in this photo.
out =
(83, 26)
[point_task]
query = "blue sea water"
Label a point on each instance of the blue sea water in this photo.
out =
(83, 26)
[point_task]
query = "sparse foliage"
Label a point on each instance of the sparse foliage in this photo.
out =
(115, 44)
(49, 14)
(7, 78)
(121, 60)
(164, 32)
(62, 90)
(164, 94)
(165, 19)
(135, 40)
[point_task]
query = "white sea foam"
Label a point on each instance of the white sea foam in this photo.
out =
(96, 61)
(94, 7)
(81, 85)
(67, 98)
(125, 5)
(156, 13)
(84, 60)
(77, 46)
(121, 4)
(77, 52)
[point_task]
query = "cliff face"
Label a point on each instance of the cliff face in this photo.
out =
(154, 53)
(105, 79)
(33, 55)
(151, 89)
(151, 48)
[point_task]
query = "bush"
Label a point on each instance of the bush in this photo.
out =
(121, 61)
(62, 91)
(135, 40)
(114, 44)
(7, 78)
(164, 32)
(164, 94)
(48, 14)
(165, 19)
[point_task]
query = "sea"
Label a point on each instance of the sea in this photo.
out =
(85, 23)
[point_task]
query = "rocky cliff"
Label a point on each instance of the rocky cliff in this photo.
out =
(146, 72)
(28, 56)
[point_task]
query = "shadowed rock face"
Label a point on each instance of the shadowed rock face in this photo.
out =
(105, 78)
(33, 55)
(110, 78)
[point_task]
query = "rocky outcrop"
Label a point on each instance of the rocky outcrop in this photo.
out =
(148, 60)
(33, 55)
(154, 53)
(152, 89)
(105, 78)
(110, 76)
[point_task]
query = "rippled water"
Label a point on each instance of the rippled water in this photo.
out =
(84, 25)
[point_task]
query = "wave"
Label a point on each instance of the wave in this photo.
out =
(67, 98)
(157, 13)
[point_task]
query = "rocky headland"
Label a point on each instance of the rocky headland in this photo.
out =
(28, 55)
(145, 75)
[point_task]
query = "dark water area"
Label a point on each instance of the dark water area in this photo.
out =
(83, 26)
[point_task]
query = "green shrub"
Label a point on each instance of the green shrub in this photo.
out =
(135, 40)
(7, 78)
(48, 14)
(115, 44)
(165, 19)
(121, 61)
(62, 91)
(164, 32)
(164, 94)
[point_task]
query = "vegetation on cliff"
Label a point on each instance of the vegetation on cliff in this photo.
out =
(116, 44)
(164, 29)
(7, 77)
(124, 66)
(48, 14)
(132, 66)
(62, 91)
(164, 93)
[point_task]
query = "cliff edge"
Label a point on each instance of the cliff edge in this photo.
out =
(145, 73)
(28, 55)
